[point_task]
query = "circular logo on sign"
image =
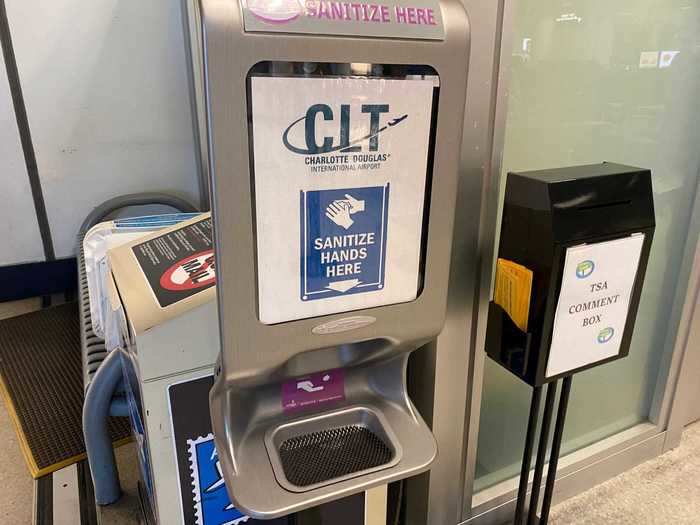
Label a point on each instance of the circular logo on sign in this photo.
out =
(192, 272)
(584, 269)
(606, 334)
(275, 11)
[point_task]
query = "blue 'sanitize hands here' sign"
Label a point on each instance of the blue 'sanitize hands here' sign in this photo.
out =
(343, 241)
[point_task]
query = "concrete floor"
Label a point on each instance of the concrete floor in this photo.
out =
(127, 510)
(15, 480)
(664, 491)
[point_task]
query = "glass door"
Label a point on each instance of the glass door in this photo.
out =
(594, 81)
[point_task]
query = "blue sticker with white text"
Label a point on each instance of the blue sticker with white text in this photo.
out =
(343, 241)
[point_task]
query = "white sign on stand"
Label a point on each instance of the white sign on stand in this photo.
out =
(340, 167)
(593, 303)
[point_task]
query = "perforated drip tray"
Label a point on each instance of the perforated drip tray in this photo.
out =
(321, 456)
(330, 448)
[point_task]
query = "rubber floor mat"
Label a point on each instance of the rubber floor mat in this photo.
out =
(42, 383)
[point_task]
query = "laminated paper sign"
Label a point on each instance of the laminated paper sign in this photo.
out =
(593, 303)
(340, 169)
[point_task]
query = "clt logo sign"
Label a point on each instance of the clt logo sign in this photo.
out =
(343, 142)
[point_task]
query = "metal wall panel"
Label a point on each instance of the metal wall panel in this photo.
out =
(106, 89)
(19, 229)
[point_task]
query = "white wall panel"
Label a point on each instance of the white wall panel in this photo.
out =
(19, 230)
(106, 90)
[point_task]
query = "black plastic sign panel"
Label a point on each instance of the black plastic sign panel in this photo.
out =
(180, 263)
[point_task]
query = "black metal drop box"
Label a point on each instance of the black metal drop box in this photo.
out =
(584, 233)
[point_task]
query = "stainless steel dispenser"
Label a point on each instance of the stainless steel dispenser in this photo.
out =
(334, 136)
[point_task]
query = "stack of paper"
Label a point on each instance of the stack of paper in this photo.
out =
(513, 290)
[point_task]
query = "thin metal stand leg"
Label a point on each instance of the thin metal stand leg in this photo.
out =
(556, 448)
(541, 452)
(527, 454)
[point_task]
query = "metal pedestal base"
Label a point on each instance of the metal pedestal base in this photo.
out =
(532, 517)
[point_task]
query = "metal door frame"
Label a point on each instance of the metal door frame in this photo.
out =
(687, 350)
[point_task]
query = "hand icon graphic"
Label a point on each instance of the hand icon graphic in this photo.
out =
(355, 205)
(339, 213)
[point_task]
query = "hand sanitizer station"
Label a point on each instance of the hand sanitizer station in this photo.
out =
(334, 141)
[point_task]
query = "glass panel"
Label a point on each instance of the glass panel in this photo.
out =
(594, 81)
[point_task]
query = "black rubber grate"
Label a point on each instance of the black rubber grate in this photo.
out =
(40, 364)
(328, 454)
